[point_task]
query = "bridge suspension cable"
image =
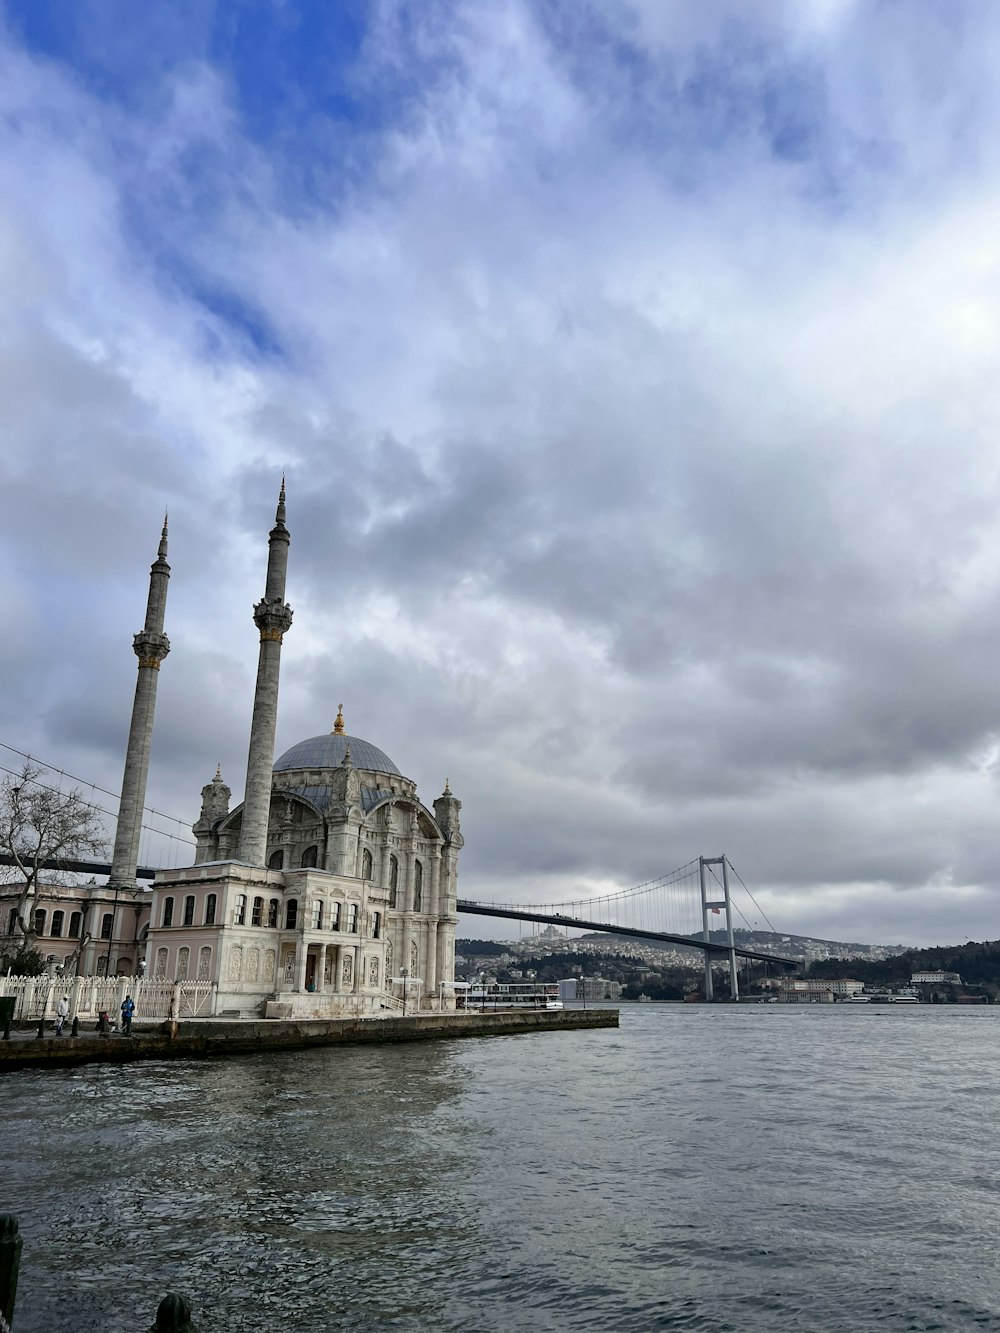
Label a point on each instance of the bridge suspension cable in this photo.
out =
(94, 786)
(752, 899)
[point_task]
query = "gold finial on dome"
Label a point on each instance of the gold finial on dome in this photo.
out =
(338, 726)
(218, 772)
(447, 788)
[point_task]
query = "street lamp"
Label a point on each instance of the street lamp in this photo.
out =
(404, 972)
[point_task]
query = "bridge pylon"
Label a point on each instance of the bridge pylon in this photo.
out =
(717, 905)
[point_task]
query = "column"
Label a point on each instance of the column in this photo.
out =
(430, 965)
(273, 617)
(441, 949)
(151, 646)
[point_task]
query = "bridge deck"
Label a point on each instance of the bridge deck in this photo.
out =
(575, 923)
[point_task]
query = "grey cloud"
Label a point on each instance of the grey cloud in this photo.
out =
(635, 507)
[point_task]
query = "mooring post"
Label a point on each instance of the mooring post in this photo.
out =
(75, 1029)
(41, 1027)
(173, 1315)
(10, 1262)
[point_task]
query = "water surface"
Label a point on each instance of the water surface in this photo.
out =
(723, 1168)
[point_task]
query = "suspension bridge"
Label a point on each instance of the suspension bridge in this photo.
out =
(690, 907)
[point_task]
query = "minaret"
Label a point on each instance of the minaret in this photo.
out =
(151, 646)
(273, 617)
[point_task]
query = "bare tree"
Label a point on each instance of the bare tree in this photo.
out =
(42, 831)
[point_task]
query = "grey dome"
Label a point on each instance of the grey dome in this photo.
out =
(328, 752)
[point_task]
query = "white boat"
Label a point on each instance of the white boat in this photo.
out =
(906, 996)
(510, 995)
(856, 998)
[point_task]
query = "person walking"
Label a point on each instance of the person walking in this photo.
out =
(128, 1009)
(62, 1013)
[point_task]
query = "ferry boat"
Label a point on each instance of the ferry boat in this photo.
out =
(510, 995)
(904, 996)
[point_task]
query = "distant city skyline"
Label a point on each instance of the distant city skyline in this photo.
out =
(632, 364)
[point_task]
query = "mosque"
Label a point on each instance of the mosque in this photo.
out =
(330, 891)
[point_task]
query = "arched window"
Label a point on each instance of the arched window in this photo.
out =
(352, 919)
(393, 880)
(257, 914)
(276, 861)
(418, 887)
(12, 921)
(74, 925)
(335, 916)
(240, 910)
(108, 919)
(40, 922)
(366, 864)
(309, 857)
(376, 924)
(168, 915)
(183, 963)
(189, 910)
(316, 914)
(57, 923)
(272, 912)
(291, 913)
(210, 905)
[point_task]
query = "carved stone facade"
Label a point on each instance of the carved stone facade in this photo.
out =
(358, 873)
(340, 807)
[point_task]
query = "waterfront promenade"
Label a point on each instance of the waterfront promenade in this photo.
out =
(207, 1038)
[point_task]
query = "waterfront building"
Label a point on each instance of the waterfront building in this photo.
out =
(82, 929)
(837, 986)
(589, 989)
(935, 979)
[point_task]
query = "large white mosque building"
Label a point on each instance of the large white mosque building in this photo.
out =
(330, 890)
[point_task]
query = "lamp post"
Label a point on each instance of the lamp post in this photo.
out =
(404, 972)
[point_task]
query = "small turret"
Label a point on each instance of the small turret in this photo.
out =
(215, 797)
(447, 808)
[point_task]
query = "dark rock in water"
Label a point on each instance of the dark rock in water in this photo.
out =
(173, 1315)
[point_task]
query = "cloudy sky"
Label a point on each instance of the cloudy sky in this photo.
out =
(634, 365)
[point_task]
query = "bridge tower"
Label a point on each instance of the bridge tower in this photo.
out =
(718, 905)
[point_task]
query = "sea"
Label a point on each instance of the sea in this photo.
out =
(699, 1168)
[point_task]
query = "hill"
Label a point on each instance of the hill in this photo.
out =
(806, 947)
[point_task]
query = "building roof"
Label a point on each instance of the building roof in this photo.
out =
(328, 752)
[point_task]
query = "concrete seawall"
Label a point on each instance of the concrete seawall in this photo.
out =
(205, 1038)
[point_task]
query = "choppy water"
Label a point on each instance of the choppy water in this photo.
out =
(698, 1169)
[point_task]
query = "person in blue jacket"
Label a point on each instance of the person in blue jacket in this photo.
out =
(128, 1009)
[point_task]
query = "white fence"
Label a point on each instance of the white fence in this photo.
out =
(37, 997)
